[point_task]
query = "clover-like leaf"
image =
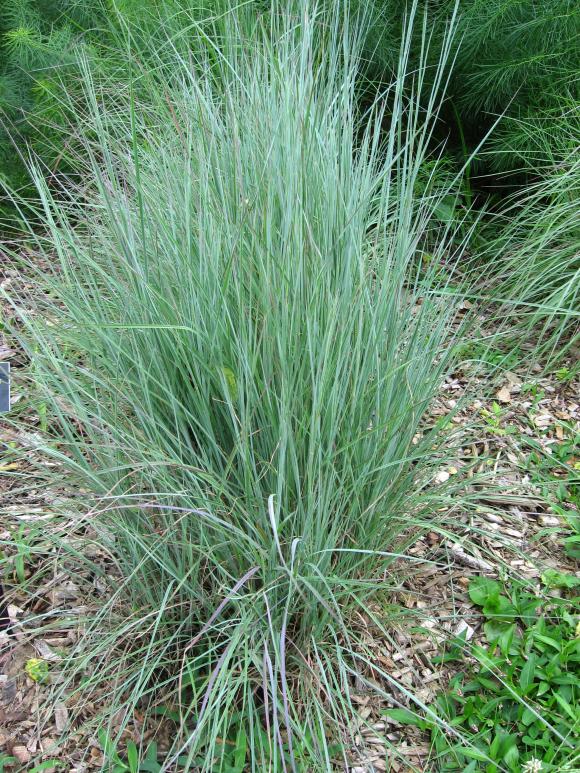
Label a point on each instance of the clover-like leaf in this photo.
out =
(37, 670)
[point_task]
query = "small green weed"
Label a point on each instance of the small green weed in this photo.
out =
(23, 547)
(494, 421)
(131, 762)
(556, 473)
(37, 669)
(233, 757)
(518, 706)
(490, 358)
(46, 765)
(572, 520)
(565, 374)
(535, 392)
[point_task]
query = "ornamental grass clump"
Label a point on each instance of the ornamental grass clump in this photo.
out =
(238, 348)
(537, 279)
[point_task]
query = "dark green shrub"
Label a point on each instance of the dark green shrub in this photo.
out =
(44, 46)
(39, 46)
(520, 58)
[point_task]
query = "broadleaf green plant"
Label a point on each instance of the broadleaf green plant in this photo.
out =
(519, 705)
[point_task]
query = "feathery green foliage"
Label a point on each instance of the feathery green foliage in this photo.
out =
(521, 59)
(518, 58)
(41, 44)
(37, 42)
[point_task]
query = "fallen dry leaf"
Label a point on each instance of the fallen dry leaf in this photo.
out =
(60, 717)
(513, 378)
(543, 420)
(504, 395)
(21, 753)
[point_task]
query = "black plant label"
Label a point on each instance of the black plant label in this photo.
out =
(4, 387)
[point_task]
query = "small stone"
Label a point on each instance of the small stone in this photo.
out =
(512, 533)
(513, 378)
(492, 517)
(60, 717)
(45, 651)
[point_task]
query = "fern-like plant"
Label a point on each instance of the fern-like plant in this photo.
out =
(44, 45)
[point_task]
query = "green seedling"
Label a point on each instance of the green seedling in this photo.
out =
(22, 542)
(564, 374)
(488, 357)
(535, 392)
(494, 421)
